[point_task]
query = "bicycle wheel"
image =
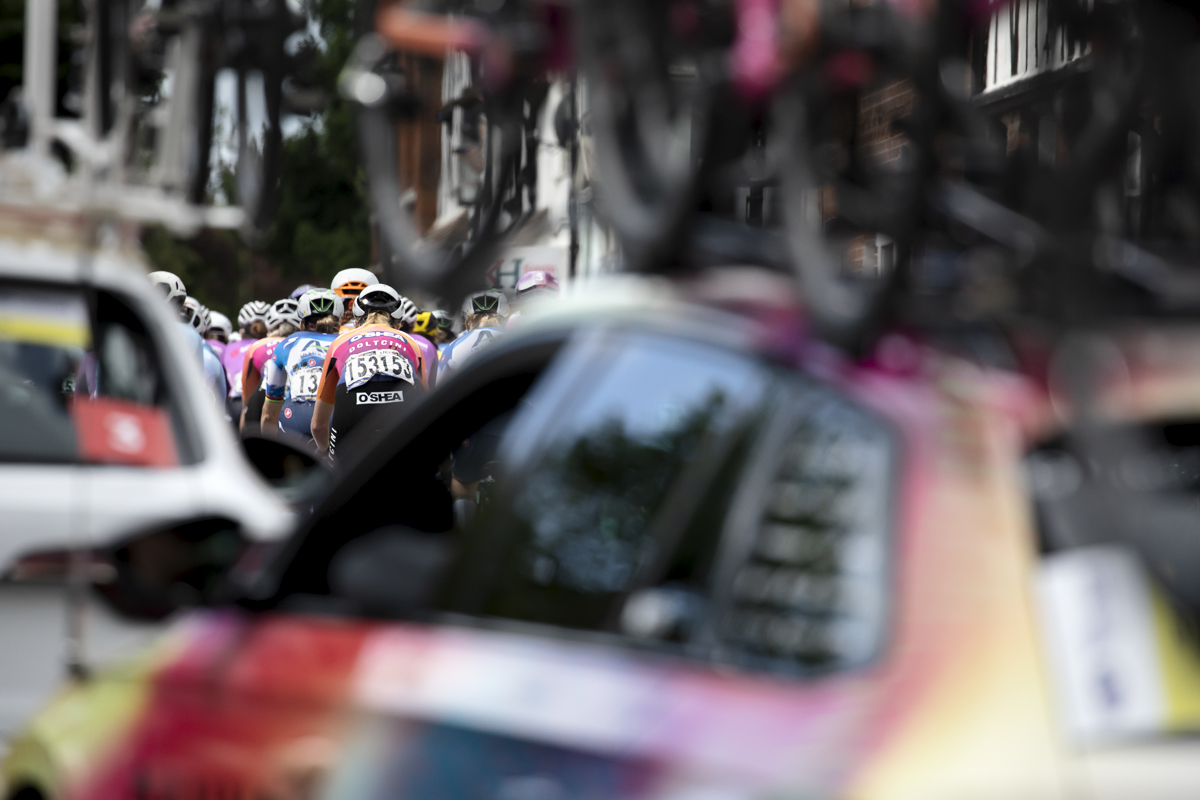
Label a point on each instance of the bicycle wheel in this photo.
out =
(441, 159)
(852, 163)
(649, 103)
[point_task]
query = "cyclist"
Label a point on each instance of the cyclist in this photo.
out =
(219, 328)
(196, 317)
(252, 324)
(445, 328)
(171, 287)
(426, 326)
(483, 316)
(301, 289)
(373, 368)
(533, 285)
(348, 284)
(537, 282)
(407, 316)
(192, 313)
(282, 321)
(190, 321)
(216, 337)
(293, 374)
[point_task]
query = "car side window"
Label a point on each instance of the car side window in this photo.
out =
(44, 333)
(80, 381)
(593, 509)
(123, 406)
(694, 500)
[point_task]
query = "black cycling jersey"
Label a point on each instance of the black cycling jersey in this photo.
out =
(374, 404)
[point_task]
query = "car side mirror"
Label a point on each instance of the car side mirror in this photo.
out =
(392, 572)
(168, 567)
(284, 462)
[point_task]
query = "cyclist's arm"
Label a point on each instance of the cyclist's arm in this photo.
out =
(275, 384)
(269, 422)
(323, 410)
(250, 375)
(322, 414)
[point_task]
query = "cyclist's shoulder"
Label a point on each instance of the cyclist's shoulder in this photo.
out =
(479, 336)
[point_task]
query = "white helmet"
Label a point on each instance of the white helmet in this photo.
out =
(491, 301)
(254, 310)
(406, 312)
(171, 287)
(320, 303)
(378, 297)
(282, 311)
(193, 313)
(218, 322)
(349, 282)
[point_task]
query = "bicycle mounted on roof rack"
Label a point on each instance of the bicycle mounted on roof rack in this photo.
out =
(830, 140)
(151, 76)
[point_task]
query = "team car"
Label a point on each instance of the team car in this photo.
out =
(705, 557)
(106, 425)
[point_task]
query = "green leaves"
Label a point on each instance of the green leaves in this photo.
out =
(322, 221)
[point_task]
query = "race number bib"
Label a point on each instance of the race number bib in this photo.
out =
(303, 383)
(361, 367)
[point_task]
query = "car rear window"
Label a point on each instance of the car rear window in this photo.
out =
(80, 381)
(44, 334)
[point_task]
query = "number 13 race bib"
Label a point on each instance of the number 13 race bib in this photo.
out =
(361, 367)
(303, 384)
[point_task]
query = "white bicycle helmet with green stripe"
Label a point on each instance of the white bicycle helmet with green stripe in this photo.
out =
(319, 303)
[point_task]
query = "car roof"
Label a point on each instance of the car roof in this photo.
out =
(49, 245)
(740, 315)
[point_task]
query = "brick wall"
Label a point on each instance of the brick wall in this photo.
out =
(877, 111)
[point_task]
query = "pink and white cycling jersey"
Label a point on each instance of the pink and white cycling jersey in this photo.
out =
(255, 359)
(232, 360)
(363, 341)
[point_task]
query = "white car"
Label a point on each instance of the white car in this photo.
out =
(139, 442)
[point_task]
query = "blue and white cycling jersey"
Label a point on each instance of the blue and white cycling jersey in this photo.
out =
(294, 373)
(455, 354)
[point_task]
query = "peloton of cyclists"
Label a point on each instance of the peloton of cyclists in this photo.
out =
(282, 320)
(324, 362)
(293, 373)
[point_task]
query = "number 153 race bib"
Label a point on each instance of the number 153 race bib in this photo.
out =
(361, 367)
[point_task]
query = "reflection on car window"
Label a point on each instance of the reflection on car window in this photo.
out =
(43, 335)
(694, 500)
(582, 516)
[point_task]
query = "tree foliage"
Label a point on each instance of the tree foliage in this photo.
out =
(322, 223)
